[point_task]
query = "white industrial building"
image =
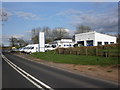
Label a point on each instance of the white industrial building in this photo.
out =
(63, 43)
(94, 39)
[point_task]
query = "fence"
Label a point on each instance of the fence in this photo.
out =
(105, 50)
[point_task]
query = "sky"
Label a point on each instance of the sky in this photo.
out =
(24, 16)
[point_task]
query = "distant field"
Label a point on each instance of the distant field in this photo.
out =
(76, 59)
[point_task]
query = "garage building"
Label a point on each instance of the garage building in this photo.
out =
(94, 39)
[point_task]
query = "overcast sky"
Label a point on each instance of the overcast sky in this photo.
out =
(23, 17)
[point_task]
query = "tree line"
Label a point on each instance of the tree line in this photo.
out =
(50, 35)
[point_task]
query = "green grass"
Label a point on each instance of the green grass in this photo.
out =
(76, 59)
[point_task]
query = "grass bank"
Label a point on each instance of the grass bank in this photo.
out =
(76, 59)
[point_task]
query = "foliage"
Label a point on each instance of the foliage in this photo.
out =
(15, 42)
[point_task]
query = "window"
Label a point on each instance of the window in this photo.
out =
(99, 43)
(105, 43)
(53, 46)
(80, 43)
(111, 42)
(89, 42)
(32, 47)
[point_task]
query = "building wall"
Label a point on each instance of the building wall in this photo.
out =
(104, 38)
(84, 37)
(96, 37)
(65, 43)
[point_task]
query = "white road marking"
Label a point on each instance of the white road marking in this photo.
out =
(27, 75)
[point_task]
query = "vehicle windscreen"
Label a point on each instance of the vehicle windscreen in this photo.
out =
(32, 47)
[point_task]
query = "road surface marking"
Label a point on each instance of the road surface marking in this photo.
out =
(27, 75)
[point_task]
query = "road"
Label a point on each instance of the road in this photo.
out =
(44, 76)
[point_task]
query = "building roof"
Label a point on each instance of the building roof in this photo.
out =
(93, 32)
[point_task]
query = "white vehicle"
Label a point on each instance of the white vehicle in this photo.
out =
(49, 47)
(26, 48)
(21, 49)
(32, 48)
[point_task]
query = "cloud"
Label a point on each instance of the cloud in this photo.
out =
(20, 14)
(29, 31)
(9, 36)
(102, 22)
(69, 12)
(27, 15)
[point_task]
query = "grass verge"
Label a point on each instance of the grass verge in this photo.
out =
(76, 59)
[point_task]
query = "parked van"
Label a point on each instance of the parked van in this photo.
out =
(21, 49)
(49, 47)
(32, 48)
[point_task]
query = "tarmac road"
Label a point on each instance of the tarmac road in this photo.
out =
(43, 76)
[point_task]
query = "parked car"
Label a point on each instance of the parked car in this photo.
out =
(32, 49)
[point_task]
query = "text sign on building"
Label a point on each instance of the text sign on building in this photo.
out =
(41, 42)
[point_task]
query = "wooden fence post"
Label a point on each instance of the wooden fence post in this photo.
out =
(96, 51)
(86, 51)
(108, 51)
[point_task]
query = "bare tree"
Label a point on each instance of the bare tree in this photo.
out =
(47, 31)
(48, 34)
(35, 33)
(59, 33)
(13, 41)
(82, 29)
(21, 43)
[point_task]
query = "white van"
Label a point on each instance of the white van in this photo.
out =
(26, 48)
(49, 47)
(32, 48)
(21, 49)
